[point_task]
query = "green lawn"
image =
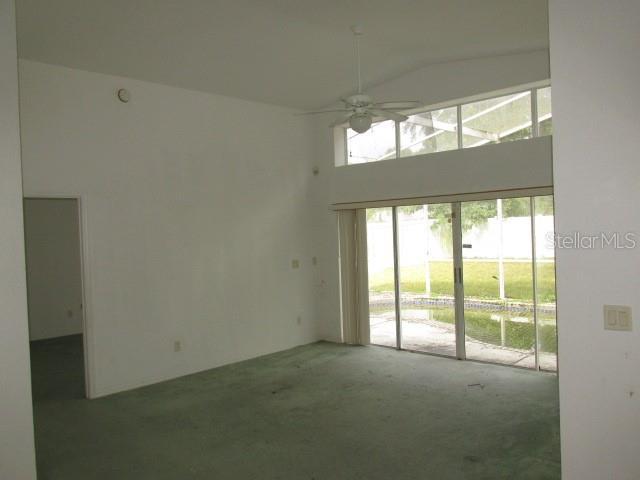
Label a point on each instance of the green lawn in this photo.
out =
(480, 280)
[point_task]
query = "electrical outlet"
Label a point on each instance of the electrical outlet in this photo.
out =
(299, 320)
(314, 260)
(177, 346)
(295, 263)
(70, 313)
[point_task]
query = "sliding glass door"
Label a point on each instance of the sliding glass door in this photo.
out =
(473, 280)
(380, 252)
(545, 282)
(498, 281)
(425, 263)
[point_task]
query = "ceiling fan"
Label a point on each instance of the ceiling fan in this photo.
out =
(360, 109)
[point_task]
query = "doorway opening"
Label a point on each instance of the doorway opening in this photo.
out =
(55, 295)
(472, 280)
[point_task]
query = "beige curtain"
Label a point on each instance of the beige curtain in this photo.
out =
(353, 276)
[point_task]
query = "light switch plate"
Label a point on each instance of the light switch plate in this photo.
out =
(617, 317)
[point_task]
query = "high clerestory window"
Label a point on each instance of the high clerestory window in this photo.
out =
(519, 114)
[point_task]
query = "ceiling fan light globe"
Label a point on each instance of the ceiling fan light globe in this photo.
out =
(360, 122)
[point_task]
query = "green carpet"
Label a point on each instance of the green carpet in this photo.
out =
(322, 412)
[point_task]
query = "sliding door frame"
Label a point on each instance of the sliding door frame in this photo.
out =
(396, 277)
(458, 280)
(534, 279)
(458, 267)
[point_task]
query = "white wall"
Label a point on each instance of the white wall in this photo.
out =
(194, 206)
(523, 164)
(54, 277)
(17, 460)
(595, 73)
(450, 81)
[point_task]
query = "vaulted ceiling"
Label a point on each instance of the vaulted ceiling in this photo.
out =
(297, 53)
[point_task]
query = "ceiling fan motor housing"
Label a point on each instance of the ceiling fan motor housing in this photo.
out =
(360, 109)
(359, 100)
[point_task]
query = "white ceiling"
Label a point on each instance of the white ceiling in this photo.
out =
(297, 53)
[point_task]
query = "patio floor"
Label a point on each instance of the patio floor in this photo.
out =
(437, 337)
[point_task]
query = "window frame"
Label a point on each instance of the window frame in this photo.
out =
(531, 92)
(341, 143)
(400, 146)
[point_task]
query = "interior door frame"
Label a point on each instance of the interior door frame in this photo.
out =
(87, 326)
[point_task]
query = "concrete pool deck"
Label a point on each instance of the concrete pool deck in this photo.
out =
(440, 338)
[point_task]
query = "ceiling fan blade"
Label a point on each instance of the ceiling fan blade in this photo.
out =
(390, 109)
(340, 121)
(324, 111)
(390, 115)
(406, 103)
